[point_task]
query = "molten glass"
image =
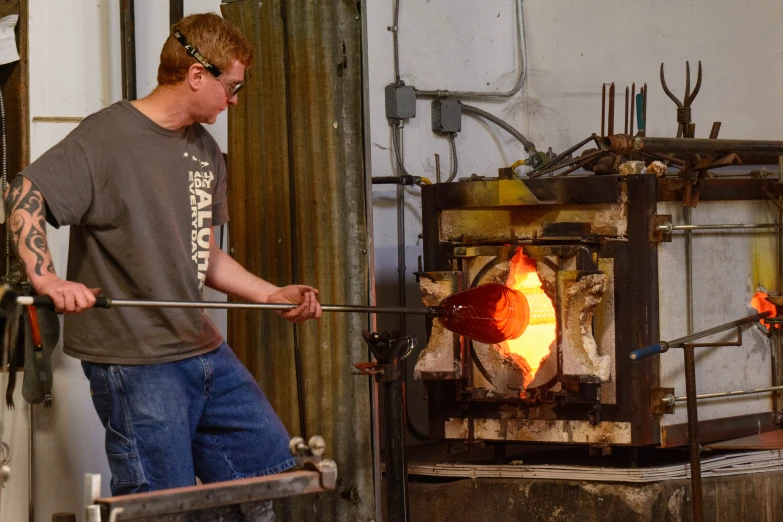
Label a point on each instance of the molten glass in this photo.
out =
(490, 313)
(760, 303)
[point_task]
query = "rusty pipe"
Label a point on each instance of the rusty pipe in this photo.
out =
(623, 143)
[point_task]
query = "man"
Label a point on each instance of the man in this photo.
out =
(143, 186)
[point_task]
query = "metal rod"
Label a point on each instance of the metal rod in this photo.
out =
(633, 104)
(293, 219)
(603, 110)
(396, 459)
(622, 144)
(689, 269)
(668, 227)
(693, 433)
(477, 95)
(128, 49)
(560, 157)
(717, 395)
(433, 311)
(176, 11)
(625, 118)
(610, 122)
(676, 343)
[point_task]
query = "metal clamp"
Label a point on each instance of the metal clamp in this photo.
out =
(308, 456)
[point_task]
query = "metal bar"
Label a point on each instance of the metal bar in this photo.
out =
(193, 498)
(553, 164)
(689, 269)
(401, 269)
(693, 433)
(676, 343)
(610, 122)
(396, 460)
(739, 226)
(431, 311)
(623, 144)
(633, 104)
(735, 393)
(625, 118)
(663, 346)
(603, 110)
(128, 49)
(584, 160)
(477, 95)
(176, 11)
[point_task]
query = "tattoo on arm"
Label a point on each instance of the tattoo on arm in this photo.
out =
(27, 224)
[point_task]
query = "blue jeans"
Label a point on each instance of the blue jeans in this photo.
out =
(168, 423)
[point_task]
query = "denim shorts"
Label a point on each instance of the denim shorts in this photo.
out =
(167, 424)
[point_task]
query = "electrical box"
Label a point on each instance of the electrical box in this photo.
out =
(400, 102)
(446, 116)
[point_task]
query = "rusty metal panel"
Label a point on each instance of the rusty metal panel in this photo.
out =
(298, 206)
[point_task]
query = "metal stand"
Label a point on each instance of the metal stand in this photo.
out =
(391, 349)
(694, 448)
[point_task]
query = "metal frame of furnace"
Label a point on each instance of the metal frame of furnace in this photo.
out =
(634, 419)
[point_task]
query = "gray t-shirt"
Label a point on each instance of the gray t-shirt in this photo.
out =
(141, 200)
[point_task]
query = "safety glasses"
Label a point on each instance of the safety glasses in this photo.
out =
(231, 88)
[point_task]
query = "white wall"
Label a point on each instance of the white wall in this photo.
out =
(457, 44)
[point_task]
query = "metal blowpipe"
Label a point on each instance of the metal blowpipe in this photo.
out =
(490, 313)
(105, 302)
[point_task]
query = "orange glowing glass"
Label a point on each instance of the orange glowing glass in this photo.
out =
(490, 313)
(760, 303)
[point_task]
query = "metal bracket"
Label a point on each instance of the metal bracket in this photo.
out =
(308, 456)
(657, 235)
(658, 406)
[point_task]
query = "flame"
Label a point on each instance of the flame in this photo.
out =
(760, 303)
(534, 345)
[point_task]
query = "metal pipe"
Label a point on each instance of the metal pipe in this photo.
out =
(669, 400)
(623, 144)
(396, 459)
(483, 95)
(128, 49)
(469, 109)
(668, 227)
(693, 433)
(454, 159)
(689, 268)
(432, 311)
(401, 294)
(176, 11)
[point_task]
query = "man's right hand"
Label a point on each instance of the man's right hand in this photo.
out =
(69, 297)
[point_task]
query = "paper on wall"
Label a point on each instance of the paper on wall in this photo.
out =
(8, 52)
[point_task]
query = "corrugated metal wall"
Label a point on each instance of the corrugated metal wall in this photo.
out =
(298, 130)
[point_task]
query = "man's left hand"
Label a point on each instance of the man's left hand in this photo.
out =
(305, 296)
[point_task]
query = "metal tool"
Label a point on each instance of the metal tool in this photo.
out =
(105, 302)
(684, 106)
